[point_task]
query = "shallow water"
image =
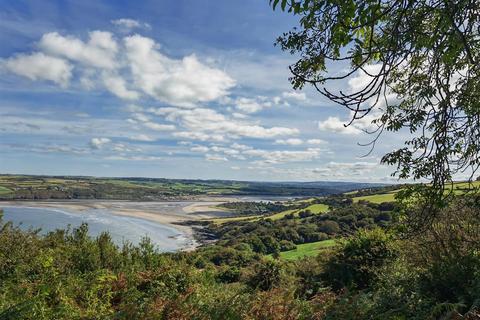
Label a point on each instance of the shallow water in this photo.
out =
(121, 228)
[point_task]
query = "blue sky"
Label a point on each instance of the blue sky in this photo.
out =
(177, 89)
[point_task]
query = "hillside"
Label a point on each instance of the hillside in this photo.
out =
(71, 187)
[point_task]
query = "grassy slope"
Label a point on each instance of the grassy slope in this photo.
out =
(307, 249)
(458, 188)
(4, 190)
(377, 198)
(314, 208)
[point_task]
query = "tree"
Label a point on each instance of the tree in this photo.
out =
(420, 59)
(359, 259)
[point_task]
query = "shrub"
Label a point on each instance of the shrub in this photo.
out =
(359, 259)
(266, 275)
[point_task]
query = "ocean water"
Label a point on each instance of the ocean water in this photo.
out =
(121, 228)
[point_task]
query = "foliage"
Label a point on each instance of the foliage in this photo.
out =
(373, 274)
(24, 187)
(306, 250)
(254, 208)
(358, 261)
(420, 65)
(268, 236)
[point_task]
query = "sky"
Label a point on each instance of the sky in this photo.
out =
(173, 89)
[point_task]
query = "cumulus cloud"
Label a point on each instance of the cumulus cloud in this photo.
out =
(99, 51)
(334, 124)
(200, 136)
(158, 126)
(316, 141)
(133, 158)
(144, 120)
(39, 66)
(142, 137)
(127, 25)
(355, 84)
(47, 148)
(137, 116)
(250, 105)
(117, 85)
(293, 95)
(201, 149)
(216, 158)
(129, 68)
(352, 168)
(281, 156)
(239, 146)
(205, 122)
(289, 142)
(179, 82)
(98, 143)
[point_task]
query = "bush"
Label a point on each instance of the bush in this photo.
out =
(228, 275)
(287, 245)
(329, 227)
(266, 275)
(359, 259)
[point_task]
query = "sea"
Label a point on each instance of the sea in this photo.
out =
(121, 228)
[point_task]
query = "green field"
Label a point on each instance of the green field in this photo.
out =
(27, 187)
(4, 190)
(458, 188)
(281, 215)
(377, 198)
(318, 208)
(307, 249)
(314, 208)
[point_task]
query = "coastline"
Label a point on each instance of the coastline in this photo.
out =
(174, 214)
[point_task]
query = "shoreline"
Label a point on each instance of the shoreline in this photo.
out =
(173, 214)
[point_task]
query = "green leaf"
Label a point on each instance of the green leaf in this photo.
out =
(275, 3)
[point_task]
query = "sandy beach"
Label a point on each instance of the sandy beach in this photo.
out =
(171, 213)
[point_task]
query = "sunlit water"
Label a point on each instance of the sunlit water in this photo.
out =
(121, 228)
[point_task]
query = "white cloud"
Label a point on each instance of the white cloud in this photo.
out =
(159, 127)
(240, 146)
(199, 136)
(289, 142)
(334, 124)
(134, 158)
(355, 168)
(137, 116)
(180, 82)
(249, 105)
(201, 149)
(215, 158)
(134, 108)
(47, 148)
(116, 85)
(100, 50)
(38, 66)
(316, 141)
(128, 69)
(205, 122)
(239, 115)
(361, 79)
(142, 137)
(281, 156)
(126, 25)
(98, 143)
(293, 95)
(120, 147)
